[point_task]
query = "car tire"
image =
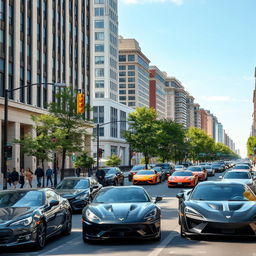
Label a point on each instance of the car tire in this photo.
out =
(40, 236)
(182, 234)
(68, 224)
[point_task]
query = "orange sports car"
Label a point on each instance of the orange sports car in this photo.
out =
(200, 171)
(182, 178)
(146, 177)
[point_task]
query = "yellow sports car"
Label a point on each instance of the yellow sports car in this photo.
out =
(146, 177)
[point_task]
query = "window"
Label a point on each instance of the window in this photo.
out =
(113, 150)
(99, 59)
(10, 14)
(99, 23)
(131, 73)
(2, 77)
(131, 97)
(131, 67)
(122, 97)
(122, 91)
(99, 94)
(113, 125)
(122, 80)
(99, 1)
(131, 85)
(1, 36)
(99, 72)
(131, 57)
(122, 124)
(122, 57)
(99, 47)
(131, 104)
(131, 79)
(29, 88)
(131, 92)
(99, 11)
(2, 9)
(122, 85)
(122, 67)
(98, 114)
(99, 84)
(28, 25)
(99, 36)
(122, 73)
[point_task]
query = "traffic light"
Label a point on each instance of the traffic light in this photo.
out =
(80, 103)
(100, 152)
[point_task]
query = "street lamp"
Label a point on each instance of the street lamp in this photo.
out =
(5, 131)
(98, 136)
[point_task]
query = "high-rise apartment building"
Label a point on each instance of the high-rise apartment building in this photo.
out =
(253, 132)
(203, 120)
(157, 98)
(107, 111)
(197, 116)
(190, 111)
(41, 41)
(133, 74)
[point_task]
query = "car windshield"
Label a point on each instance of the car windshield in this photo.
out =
(194, 169)
(145, 172)
(21, 199)
(237, 175)
(136, 168)
(74, 184)
(182, 174)
(223, 192)
(179, 166)
(121, 195)
(207, 167)
(241, 167)
(110, 171)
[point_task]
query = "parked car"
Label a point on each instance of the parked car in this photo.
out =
(30, 216)
(218, 167)
(210, 170)
(114, 176)
(161, 173)
(134, 170)
(146, 177)
(242, 167)
(122, 212)
(78, 190)
(182, 178)
(168, 169)
(199, 171)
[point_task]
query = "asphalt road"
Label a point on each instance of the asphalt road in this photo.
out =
(170, 244)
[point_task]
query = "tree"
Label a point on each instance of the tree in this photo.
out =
(40, 145)
(114, 160)
(171, 140)
(251, 142)
(71, 127)
(84, 160)
(142, 132)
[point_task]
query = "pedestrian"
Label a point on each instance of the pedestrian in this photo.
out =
(39, 175)
(22, 177)
(29, 176)
(78, 171)
(90, 171)
(100, 174)
(8, 177)
(15, 178)
(49, 173)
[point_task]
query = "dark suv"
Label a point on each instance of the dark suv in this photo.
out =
(168, 169)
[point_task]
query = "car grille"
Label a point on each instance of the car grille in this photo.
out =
(5, 236)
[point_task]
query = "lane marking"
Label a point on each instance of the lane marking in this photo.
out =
(165, 242)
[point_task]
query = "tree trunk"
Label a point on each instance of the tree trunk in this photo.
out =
(63, 163)
(146, 161)
(43, 171)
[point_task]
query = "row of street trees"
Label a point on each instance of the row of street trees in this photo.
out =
(251, 143)
(170, 141)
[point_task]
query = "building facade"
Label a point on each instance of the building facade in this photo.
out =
(133, 74)
(104, 81)
(197, 116)
(43, 41)
(157, 98)
(253, 131)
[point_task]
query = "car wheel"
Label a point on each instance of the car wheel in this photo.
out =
(40, 236)
(182, 233)
(68, 224)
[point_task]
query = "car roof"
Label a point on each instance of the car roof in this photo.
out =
(239, 170)
(76, 178)
(27, 189)
(123, 187)
(219, 182)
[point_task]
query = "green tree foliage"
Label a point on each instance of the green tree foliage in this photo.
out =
(171, 140)
(84, 160)
(71, 127)
(251, 142)
(114, 160)
(142, 132)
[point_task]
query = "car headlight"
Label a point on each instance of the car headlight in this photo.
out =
(91, 216)
(82, 196)
(151, 215)
(23, 222)
(193, 214)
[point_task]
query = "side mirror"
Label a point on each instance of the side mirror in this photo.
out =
(180, 195)
(158, 198)
(54, 203)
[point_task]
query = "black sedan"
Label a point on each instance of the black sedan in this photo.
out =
(218, 208)
(78, 190)
(30, 216)
(114, 176)
(122, 212)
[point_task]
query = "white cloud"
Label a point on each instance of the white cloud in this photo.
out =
(177, 2)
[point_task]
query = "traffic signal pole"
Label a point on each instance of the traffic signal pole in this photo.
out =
(98, 143)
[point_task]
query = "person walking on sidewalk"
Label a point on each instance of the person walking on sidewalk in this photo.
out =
(22, 177)
(39, 175)
(9, 177)
(49, 173)
(15, 178)
(29, 176)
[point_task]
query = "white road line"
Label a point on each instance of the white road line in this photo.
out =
(164, 243)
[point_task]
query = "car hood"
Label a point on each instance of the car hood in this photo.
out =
(121, 212)
(244, 181)
(181, 178)
(8, 214)
(70, 193)
(225, 211)
(145, 176)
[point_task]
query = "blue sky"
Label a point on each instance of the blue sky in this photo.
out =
(209, 45)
